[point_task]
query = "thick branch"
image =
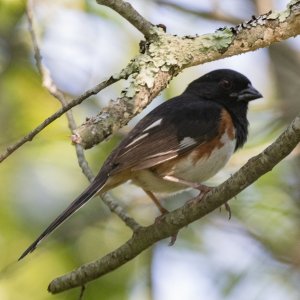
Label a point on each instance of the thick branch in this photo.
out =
(191, 211)
(126, 10)
(166, 55)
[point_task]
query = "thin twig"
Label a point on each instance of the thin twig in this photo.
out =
(120, 212)
(86, 170)
(51, 87)
(126, 10)
(48, 82)
(28, 137)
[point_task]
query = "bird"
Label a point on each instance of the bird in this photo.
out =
(178, 145)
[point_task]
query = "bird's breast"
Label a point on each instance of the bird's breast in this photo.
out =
(204, 161)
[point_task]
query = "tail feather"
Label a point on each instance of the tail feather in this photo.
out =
(86, 195)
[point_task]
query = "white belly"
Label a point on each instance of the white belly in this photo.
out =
(187, 170)
(206, 167)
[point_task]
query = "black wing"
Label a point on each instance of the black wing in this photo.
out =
(173, 128)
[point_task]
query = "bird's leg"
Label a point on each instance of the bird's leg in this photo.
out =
(204, 189)
(156, 202)
(163, 212)
(201, 187)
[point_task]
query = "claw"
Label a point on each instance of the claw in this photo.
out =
(227, 207)
(174, 236)
(203, 188)
(173, 239)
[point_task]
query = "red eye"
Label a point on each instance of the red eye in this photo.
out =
(225, 84)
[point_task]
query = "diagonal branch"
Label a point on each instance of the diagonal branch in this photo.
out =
(48, 82)
(191, 211)
(126, 10)
(166, 55)
(29, 137)
(51, 87)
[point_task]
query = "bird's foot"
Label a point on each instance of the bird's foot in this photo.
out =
(173, 239)
(203, 189)
(159, 219)
(228, 209)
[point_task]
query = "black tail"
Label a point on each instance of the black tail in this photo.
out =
(90, 191)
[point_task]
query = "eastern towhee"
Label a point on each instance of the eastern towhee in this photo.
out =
(181, 143)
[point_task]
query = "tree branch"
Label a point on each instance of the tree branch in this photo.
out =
(48, 82)
(119, 211)
(191, 211)
(51, 87)
(126, 10)
(28, 137)
(166, 55)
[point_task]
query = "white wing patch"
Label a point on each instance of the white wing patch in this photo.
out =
(186, 142)
(137, 139)
(156, 123)
(164, 153)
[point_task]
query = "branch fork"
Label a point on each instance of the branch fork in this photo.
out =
(164, 56)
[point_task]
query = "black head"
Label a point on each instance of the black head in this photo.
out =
(230, 89)
(225, 86)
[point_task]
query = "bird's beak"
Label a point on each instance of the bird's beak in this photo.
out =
(248, 94)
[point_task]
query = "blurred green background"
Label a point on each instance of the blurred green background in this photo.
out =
(255, 255)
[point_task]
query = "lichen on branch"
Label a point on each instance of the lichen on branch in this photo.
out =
(164, 56)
